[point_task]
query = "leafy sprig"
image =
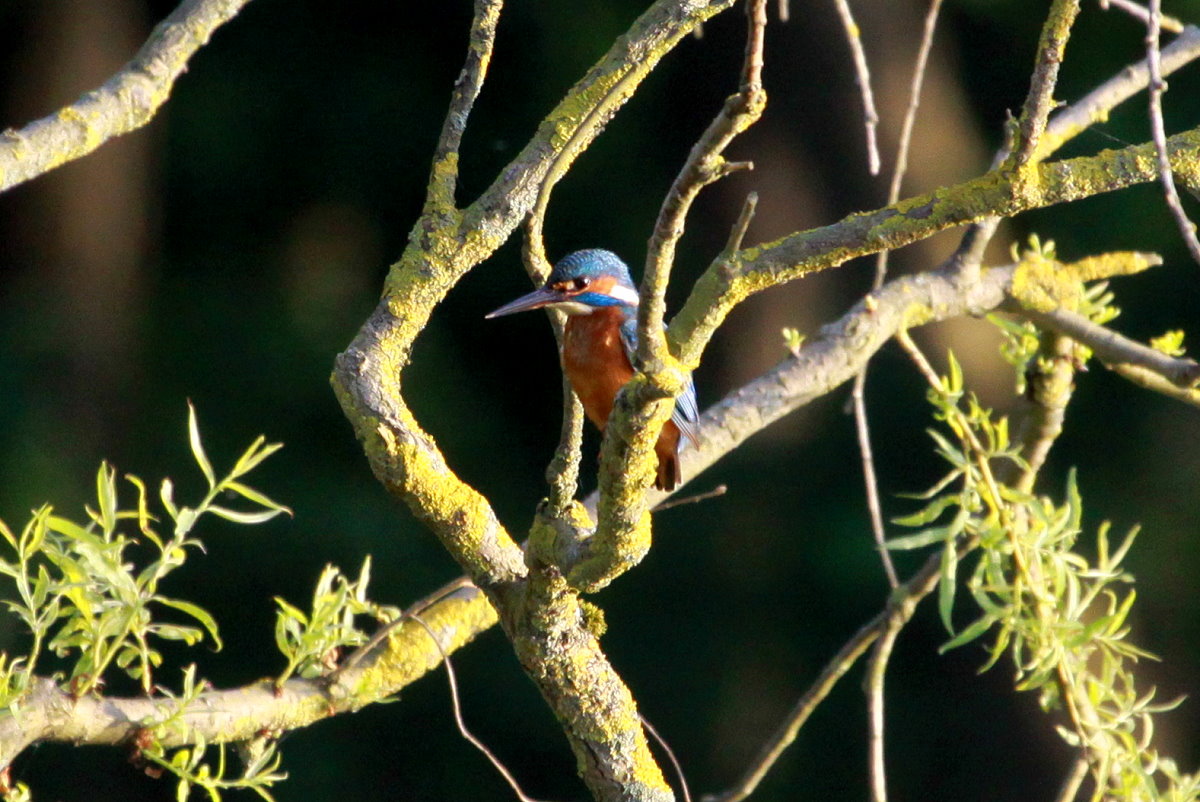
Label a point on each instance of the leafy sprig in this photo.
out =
(313, 642)
(1062, 617)
(82, 596)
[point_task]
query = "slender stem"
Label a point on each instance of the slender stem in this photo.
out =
(861, 422)
(703, 166)
(1158, 86)
(444, 178)
(862, 76)
(901, 605)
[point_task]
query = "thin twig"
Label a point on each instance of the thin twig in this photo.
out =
(1158, 86)
(862, 430)
(719, 490)
(683, 784)
(1152, 381)
(861, 421)
(704, 165)
(910, 117)
(862, 76)
(1112, 348)
(738, 232)
(876, 669)
(381, 634)
(903, 602)
(466, 89)
(458, 719)
(1139, 12)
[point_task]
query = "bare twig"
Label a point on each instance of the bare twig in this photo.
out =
(719, 490)
(902, 603)
(1158, 86)
(444, 177)
(704, 165)
(867, 457)
(1139, 12)
(1073, 781)
(738, 232)
(861, 423)
(1150, 380)
(125, 102)
(862, 76)
(876, 669)
(683, 784)
(462, 725)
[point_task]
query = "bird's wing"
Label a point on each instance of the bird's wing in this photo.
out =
(686, 415)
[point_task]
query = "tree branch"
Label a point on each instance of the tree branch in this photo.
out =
(444, 178)
(622, 535)
(125, 102)
(1040, 100)
(729, 281)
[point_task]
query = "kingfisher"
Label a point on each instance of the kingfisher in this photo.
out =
(594, 289)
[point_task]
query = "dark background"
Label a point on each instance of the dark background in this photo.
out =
(226, 252)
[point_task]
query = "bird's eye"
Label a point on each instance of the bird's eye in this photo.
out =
(579, 284)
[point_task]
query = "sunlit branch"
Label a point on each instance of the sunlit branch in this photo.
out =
(124, 103)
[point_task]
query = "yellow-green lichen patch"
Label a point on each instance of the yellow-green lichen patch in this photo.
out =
(410, 653)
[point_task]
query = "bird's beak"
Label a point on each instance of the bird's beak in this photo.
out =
(534, 300)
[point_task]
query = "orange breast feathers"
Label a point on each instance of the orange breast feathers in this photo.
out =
(596, 364)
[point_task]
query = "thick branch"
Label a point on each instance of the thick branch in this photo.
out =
(125, 102)
(239, 714)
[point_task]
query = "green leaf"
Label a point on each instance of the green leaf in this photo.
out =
(919, 540)
(106, 496)
(189, 635)
(143, 512)
(198, 448)
(928, 513)
(952, 454)
(954, 382)
(166, 493)
(255, 496)
(973, 631)
(254, 455)
(197, 612)
(243, 517)
(947, 584)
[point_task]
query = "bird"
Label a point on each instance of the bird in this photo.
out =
(594, 289)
